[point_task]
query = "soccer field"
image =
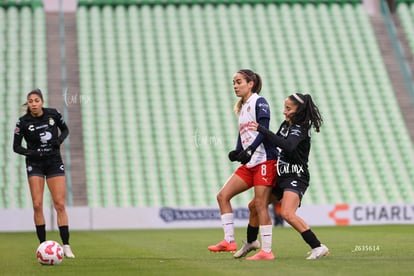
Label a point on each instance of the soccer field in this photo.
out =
(356, 250)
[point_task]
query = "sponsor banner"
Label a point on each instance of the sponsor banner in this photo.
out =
(315, 215)
(356, 214)
(85, 218)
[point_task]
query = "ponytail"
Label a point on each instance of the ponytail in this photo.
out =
(237, 107)
(307, 114)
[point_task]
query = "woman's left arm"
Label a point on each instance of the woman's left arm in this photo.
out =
(64, 130)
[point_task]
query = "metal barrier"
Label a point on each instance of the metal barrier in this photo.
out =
(398, 49)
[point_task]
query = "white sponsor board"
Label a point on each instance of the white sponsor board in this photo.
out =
(85, 218)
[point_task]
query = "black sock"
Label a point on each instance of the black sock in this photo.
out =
(64, 234)
(41, 232)
(311, 239)
(252, 233)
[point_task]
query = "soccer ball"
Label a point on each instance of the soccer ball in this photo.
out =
(49, 253)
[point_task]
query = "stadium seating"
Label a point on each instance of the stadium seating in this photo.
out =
(21, 3)
(164, 73)
(23, 67)
(158, 74)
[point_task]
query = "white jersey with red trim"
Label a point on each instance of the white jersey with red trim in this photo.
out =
(252, 110)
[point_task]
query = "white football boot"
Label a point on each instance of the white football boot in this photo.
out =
(68, 251)
(246, 248)
(318, 252)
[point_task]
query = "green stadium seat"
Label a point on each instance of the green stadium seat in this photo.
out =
(166, 68)
(19, 73)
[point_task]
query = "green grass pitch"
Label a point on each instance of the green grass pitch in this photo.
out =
(355, 250)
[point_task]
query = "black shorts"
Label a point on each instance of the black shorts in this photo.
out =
(46, 167)
(292, 184)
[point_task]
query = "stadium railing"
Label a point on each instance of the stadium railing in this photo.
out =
(21, 3)
(205, 2)
(398, 49)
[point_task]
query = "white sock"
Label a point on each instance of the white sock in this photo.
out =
(227, 220)
(266, 236)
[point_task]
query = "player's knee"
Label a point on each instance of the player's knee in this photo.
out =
(252, 206)
(60, 206)
(288, 215)
(221, 197)
(260, 203)
(38, 207)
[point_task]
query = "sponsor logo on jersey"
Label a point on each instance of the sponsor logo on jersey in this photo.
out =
(284, 131)
(45, 137)
(264, 107)
(42, 126)
(296, 132)
(33, 128)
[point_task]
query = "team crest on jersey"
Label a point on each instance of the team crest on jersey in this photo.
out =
(51, 121)
(248, 108)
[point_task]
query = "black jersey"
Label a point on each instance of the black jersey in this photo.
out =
(293, 143)
(40, 133)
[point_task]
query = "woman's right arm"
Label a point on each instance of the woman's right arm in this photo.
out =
(17, 142)
(289, 144)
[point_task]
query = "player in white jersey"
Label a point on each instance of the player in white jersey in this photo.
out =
(258, 169)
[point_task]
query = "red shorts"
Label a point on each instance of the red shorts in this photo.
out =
(263, 174)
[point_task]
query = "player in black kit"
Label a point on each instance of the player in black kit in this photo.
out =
(293, 142)
(40, 129)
